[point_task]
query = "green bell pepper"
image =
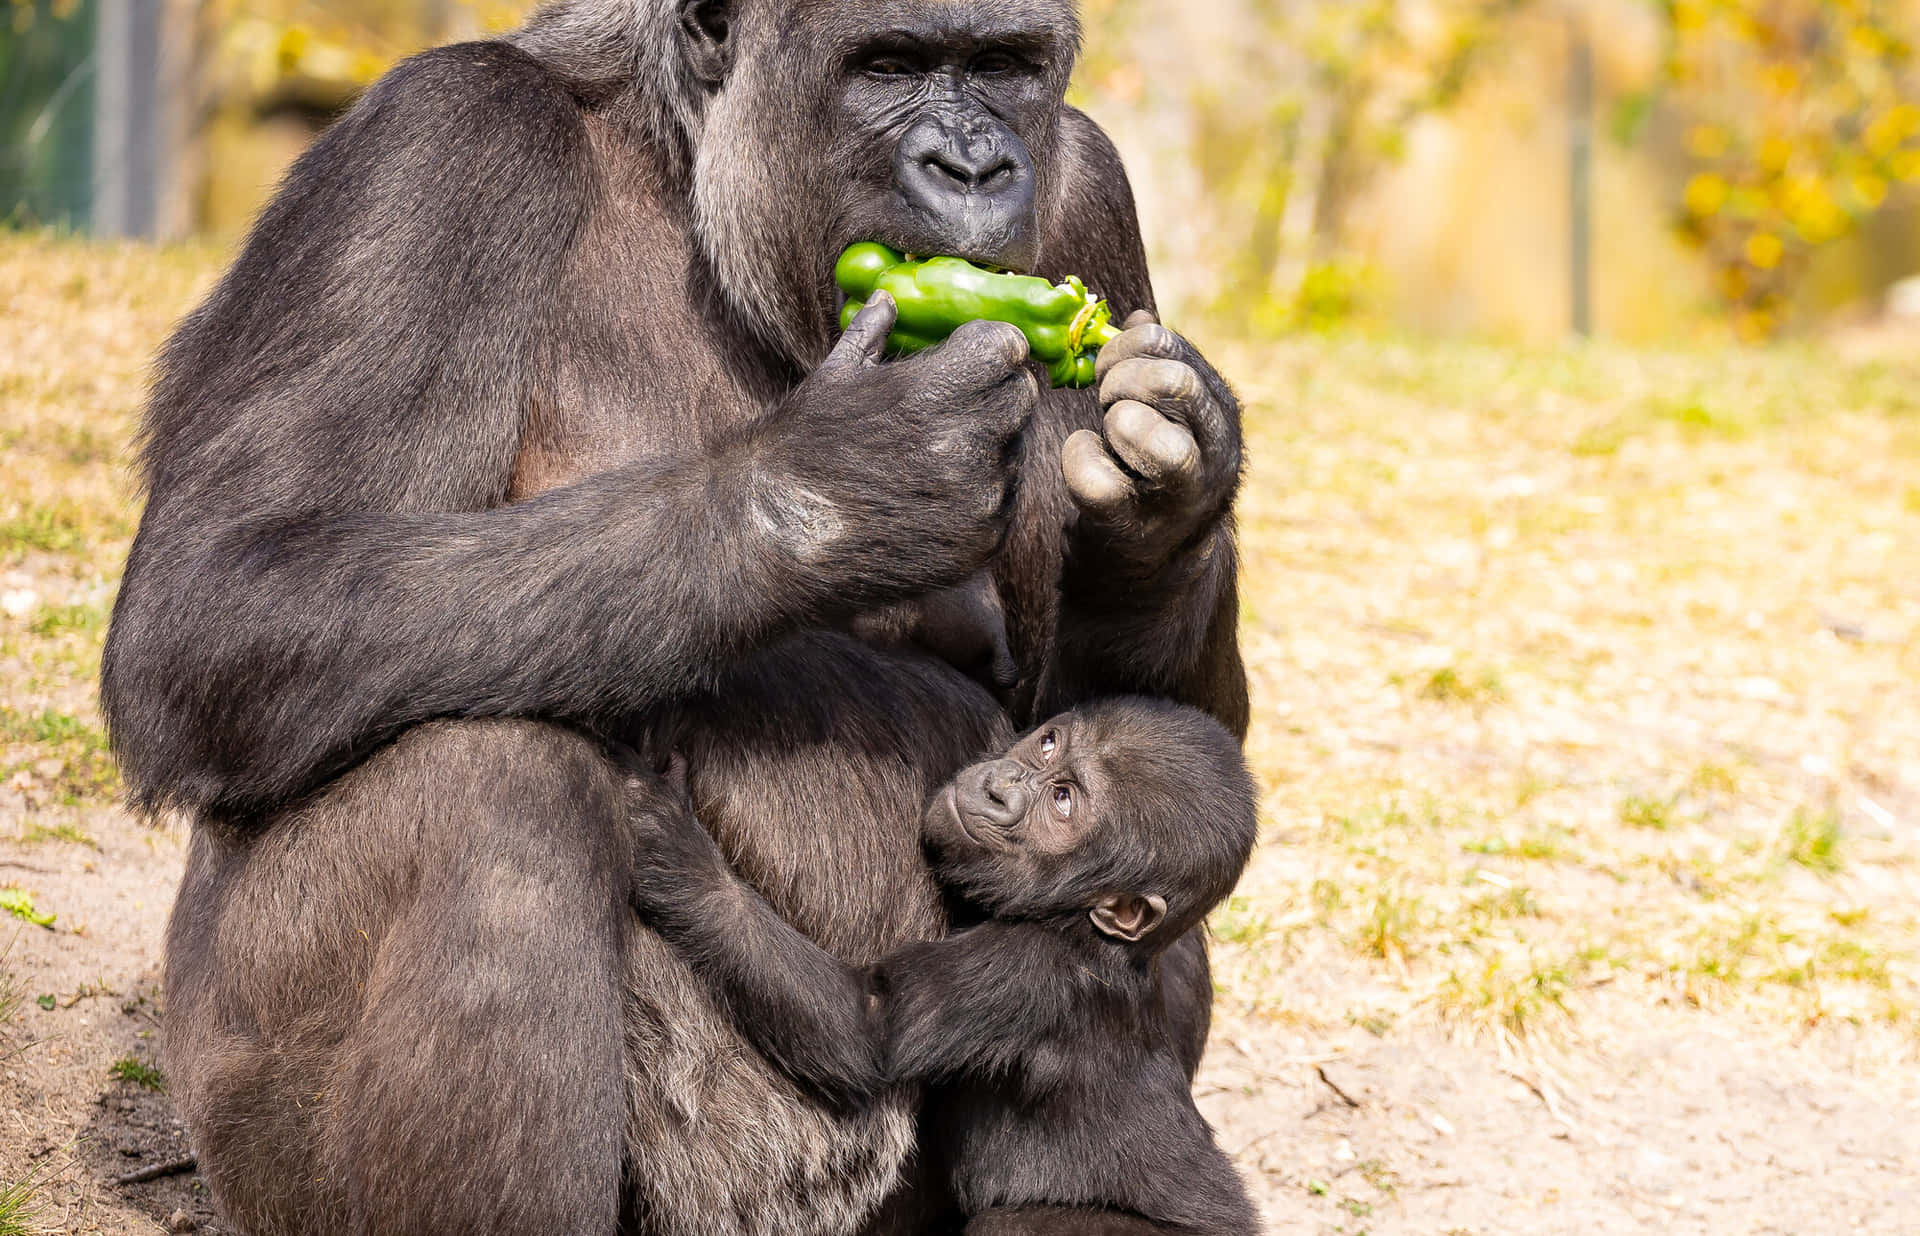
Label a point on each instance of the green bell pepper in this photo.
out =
(1064, 323)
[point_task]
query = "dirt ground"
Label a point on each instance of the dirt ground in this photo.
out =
(1588, 721)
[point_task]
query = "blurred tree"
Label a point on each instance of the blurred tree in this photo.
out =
(46, 121)
(1804, 119)
(1319, 101)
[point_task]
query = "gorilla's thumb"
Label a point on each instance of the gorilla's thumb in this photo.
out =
(866, 337)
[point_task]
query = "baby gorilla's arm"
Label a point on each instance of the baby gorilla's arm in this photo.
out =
(802, 1008)
(998, 1000)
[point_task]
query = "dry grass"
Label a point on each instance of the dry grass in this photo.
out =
(1575, 671)
(1580, 670)
(78, 327)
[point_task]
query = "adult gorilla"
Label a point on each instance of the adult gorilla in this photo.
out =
(520, 418)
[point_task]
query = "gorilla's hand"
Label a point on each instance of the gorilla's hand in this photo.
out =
(674, 857)
(1168, 462)
(901, 475)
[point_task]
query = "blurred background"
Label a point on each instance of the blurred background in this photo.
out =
(1645, 170)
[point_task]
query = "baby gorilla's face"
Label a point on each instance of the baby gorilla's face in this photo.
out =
(1124, 812)
(1042, 797)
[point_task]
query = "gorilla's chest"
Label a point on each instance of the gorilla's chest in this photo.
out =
(813, 762)
(633, 361)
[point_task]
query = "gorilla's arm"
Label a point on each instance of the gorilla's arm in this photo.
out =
(1001, 999)
(326, 558)
(802, 1008)
(1147, 600)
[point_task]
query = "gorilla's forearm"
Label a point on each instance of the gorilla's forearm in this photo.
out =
(252, 660)
(1173, 634)
(802, 1008)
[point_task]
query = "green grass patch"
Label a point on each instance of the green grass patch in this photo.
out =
(19, 903)
(12, 994)
(1391, 925)
(58, 529)
(1698, 417)
(1506, 999)
(137, 1072)
(1453, 684)
(1237, 922)
(86, 772)
(1543, 845)
(36, 834)
(1643, 811)
(1812, 839)
(21, 1202)
(61, 619)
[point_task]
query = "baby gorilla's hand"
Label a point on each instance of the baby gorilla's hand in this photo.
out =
(675, 859)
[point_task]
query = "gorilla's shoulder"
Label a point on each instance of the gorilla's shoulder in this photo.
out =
(1088, 145)
(1099, 224)
(487, 93)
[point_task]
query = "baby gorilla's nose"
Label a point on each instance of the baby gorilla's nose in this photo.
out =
(1003, 797)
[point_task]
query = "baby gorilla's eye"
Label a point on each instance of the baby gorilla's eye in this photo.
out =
(887, 66)
(1048, 741)
(1063, 801)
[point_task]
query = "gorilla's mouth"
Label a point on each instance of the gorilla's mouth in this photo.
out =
(951, 800)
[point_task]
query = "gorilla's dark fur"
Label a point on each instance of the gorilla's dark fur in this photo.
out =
(516, 422)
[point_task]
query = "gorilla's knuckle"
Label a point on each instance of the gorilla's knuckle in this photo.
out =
(1132, 422)
(1157, 340)
(1000, 341)
(1176, 379)
(1176, 451)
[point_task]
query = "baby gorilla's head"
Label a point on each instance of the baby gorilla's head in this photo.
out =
(1136, 813)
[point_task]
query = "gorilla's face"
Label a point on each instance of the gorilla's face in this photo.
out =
(952, 102)
(928, 125)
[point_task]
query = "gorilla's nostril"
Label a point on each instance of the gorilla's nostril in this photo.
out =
(949, 167)
(969, 172)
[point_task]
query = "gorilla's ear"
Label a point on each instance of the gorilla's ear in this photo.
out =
(704, 27)
(1128, 916)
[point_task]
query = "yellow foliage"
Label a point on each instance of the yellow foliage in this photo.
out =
(1764, 250)
(1803, 119)
(1706, 194)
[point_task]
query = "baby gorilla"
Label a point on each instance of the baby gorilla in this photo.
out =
(1077, 857)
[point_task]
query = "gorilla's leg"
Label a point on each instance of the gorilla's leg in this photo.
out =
(398, 1010)
(1054, 1221)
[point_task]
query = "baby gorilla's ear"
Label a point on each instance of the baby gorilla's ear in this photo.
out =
(1128, 916)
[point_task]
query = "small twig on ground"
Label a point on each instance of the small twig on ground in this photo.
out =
(1544, 1093)
(158, 1171)
(1330, 1084)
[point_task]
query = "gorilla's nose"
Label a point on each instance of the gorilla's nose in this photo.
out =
(972, 165)
(970, 180)
(1003, 798)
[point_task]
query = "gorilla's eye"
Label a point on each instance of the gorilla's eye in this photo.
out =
(887, 66)
(1048, 742)
(1063, 801)
(993, 64)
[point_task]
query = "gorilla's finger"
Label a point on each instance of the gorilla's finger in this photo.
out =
(1147, 338)
(984, 348)
(1174, 389)
(1140, 317)
(866, 338)
(1159, 451)
(1094, 480)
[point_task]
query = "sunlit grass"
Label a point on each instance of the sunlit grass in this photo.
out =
(1632, 539)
